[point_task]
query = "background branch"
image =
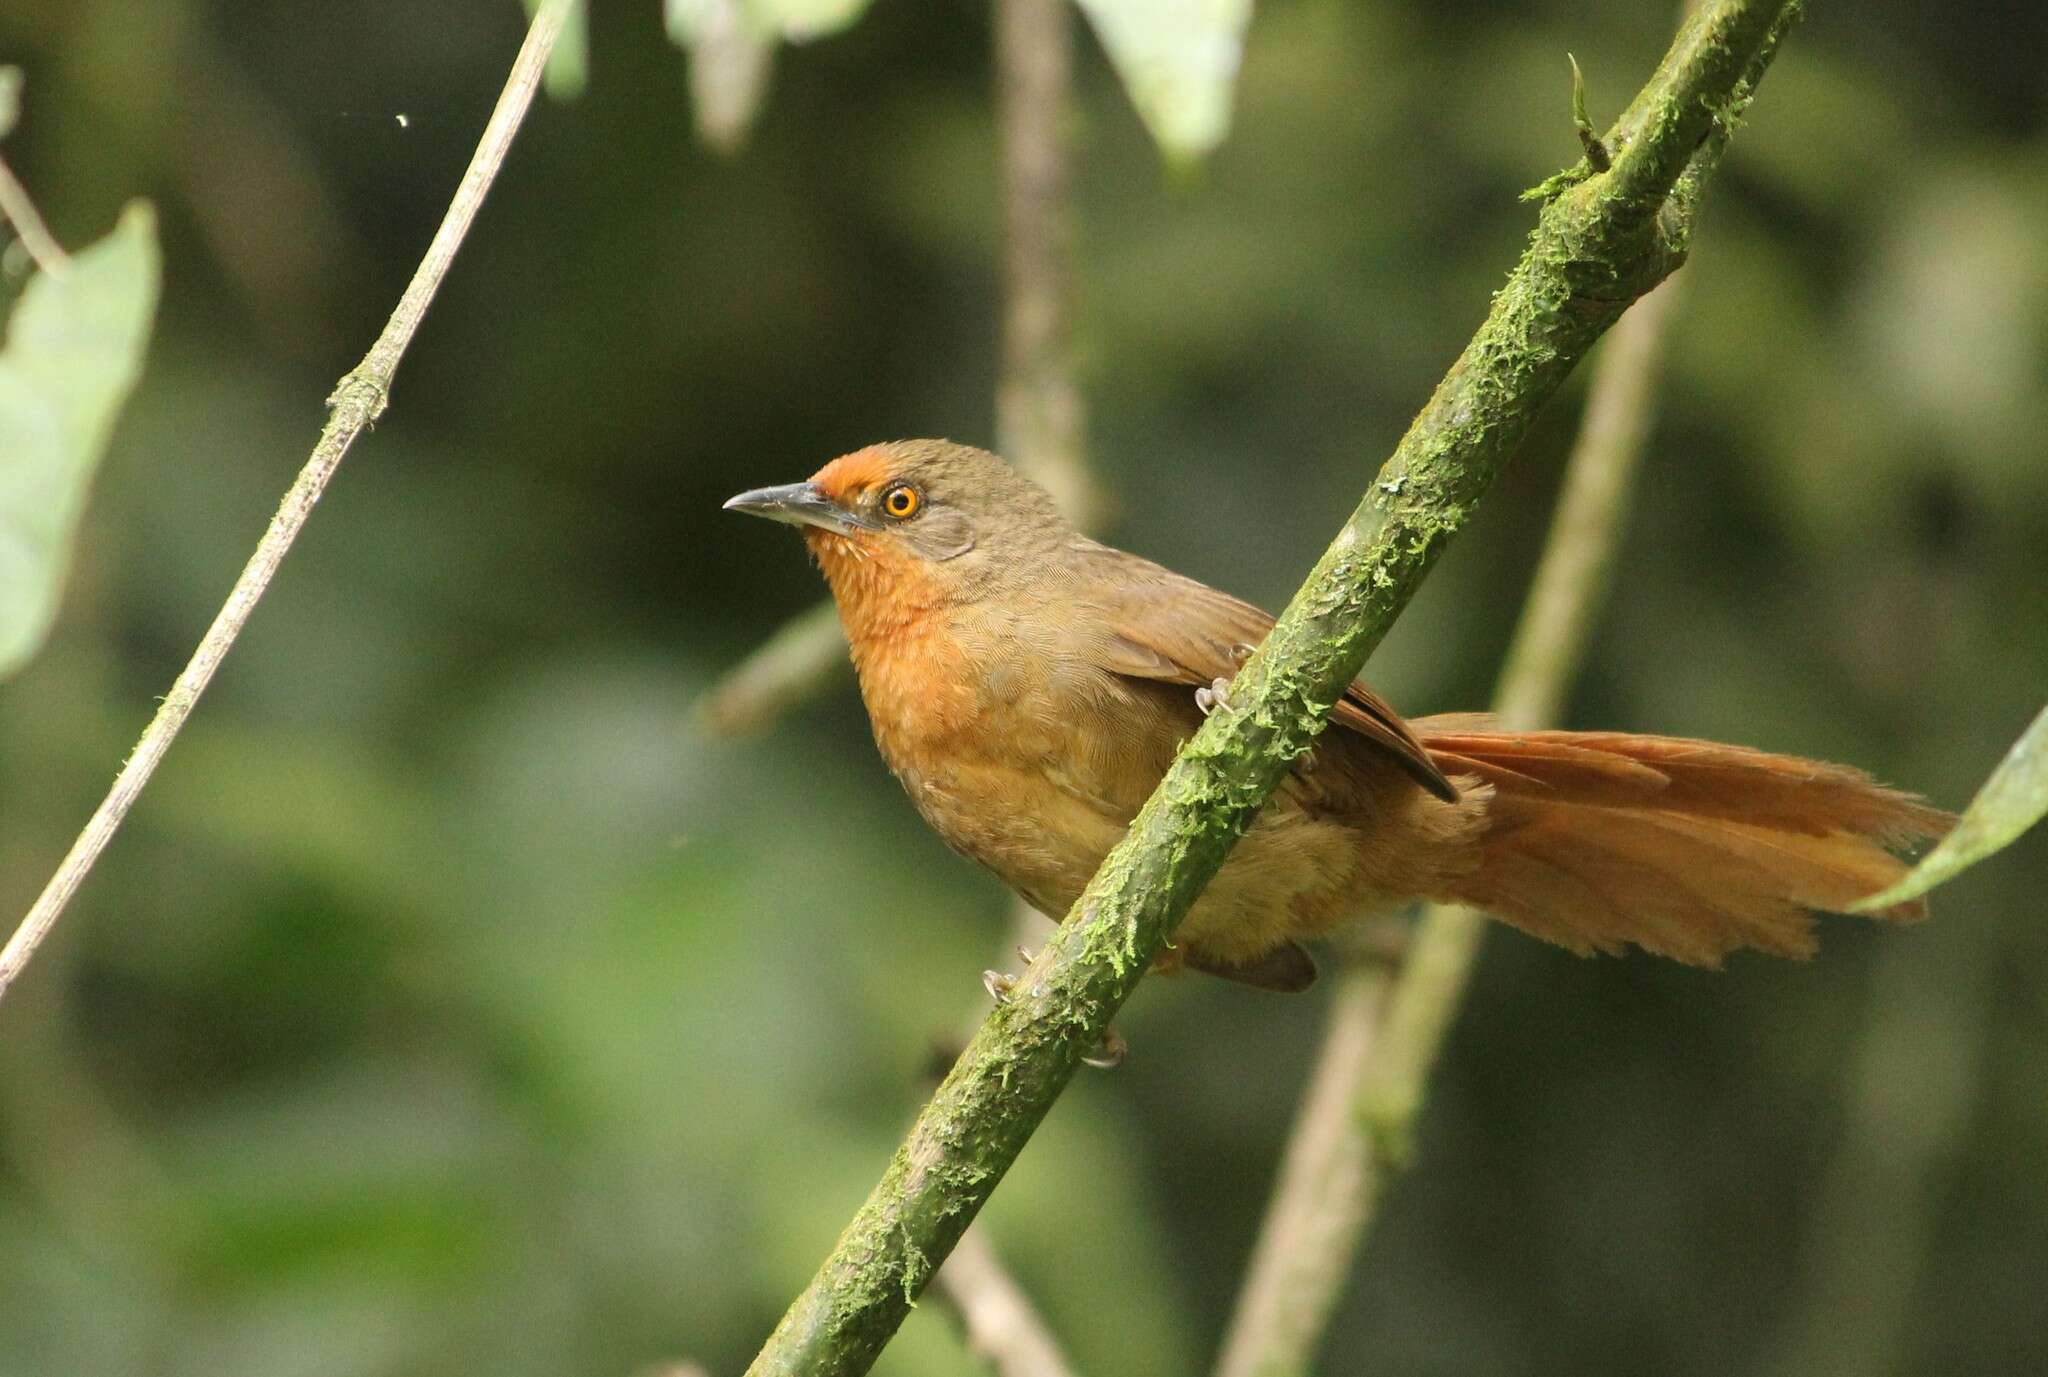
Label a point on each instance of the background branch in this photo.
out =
(1598, 245)
(357, 401)
(997, 1317)
(1336, 1166)
(18, 209)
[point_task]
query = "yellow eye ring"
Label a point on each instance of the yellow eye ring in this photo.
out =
(901, 502)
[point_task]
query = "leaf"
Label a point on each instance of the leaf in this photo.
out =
(731, 53)
(2011, 801)
(74, 348)
(568, 69)
(732, 46)
(1178, 59)
(10, 99)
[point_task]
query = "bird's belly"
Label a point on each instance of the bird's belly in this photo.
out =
(1040, 840)
(1037, 787)
(1291, 876)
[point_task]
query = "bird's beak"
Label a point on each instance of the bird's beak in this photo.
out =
(800, 504)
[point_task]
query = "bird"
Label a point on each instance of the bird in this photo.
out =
(1029, 686)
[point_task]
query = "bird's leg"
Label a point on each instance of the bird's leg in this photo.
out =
(1109, 1051)
(1211, 698)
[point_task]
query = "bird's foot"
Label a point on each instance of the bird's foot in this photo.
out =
(1109, 1051)
(1001, 986)
(1211, 698)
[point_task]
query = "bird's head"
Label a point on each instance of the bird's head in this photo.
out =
(915, 520)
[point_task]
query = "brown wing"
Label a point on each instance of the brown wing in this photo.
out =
(1167, 627)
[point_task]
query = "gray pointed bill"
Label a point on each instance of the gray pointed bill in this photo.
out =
(800, 504)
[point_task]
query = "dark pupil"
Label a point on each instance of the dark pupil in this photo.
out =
(899, 501)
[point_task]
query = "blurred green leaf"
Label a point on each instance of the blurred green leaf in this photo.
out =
(10, 99)
(732, 46)
(74, 349)
(1179, 60)
(568, 69)
(2011, 801)
(730, 59)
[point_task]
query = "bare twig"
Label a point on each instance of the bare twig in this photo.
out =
(20, 211)
(1040, 418)
(997, 1317)
(1366, 1090)
(804, 656)
(356, 402)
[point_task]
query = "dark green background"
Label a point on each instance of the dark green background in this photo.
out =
(449, 1005)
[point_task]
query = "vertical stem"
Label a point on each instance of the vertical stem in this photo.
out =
(1367, 1086)
(1303, 1256)
(1039, 413)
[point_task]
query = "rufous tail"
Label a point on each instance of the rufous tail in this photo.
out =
(1689, 849)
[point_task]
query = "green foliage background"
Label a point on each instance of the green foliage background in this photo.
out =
(450, 1006)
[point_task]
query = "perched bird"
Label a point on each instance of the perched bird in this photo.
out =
(1029, 687)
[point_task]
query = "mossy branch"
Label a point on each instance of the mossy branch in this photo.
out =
(1598, 245)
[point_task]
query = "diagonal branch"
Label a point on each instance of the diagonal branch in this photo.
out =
(1599, 244)
(358, 400)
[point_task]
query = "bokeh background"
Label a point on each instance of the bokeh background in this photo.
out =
(453, 1004)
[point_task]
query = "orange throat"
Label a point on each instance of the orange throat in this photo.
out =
(916, 681)
(883, 593)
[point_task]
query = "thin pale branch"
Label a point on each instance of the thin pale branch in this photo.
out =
(805, 656)
(1596, 248)
(357, 401)
(18, 210)
(1040, 418)
(1335, 1171)
(998, 1319)
(1549, 643)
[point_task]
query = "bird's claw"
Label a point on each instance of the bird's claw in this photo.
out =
(1107, 1053)
(1211, 698)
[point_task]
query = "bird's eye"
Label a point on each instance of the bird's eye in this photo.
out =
(901, 502)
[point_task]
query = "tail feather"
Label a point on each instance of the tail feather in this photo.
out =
(1690, 849)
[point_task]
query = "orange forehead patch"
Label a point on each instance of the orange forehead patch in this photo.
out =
(855, 473)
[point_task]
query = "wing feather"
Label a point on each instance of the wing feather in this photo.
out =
(1170, 629)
